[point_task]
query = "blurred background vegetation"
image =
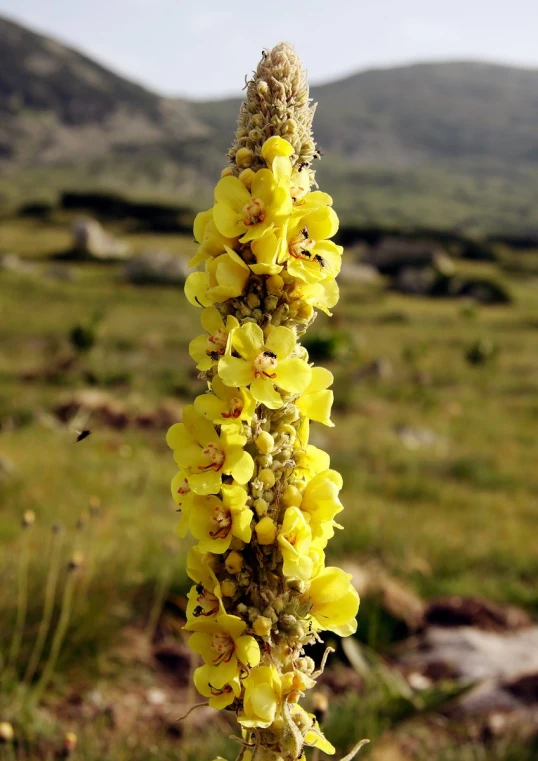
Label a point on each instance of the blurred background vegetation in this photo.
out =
(434, 348)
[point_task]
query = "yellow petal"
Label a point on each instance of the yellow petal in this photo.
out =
(248, 340)
(248, 650)
(263, 391)
(293, 375)
(235, 371)
(211, 320)
(281, 341)
(196, 289)
(200, 223)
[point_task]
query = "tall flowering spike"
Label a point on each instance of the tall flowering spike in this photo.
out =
(260, 500)
(277, 103)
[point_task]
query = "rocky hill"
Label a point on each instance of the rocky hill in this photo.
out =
(447, 144)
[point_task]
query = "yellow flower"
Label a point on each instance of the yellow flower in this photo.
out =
(309, 460)
(316, 400)
(323, 295)
(250, 214)
(266, 530)
(203, 602)
(212, 243)
(275, 146)
(264, 363)
(266, 250)
(225, 404)
(321, 502)
(294, 683)
(263, 696)
(200, 568)
(184, 497)
(224, 278)
(224, 648)
(333, 602)
(206, 455)
(206, 350)
(218, 697)
(314, 737)
(308, 255)
(215, 521)
(276, 152)
(295, 538)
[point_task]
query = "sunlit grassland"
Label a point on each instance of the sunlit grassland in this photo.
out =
(455, 512)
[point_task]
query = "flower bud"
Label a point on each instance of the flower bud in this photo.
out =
(244, 157)
(6, 732)
(70, 742)
(228, 588)
(266, 530)
(226, 172)
(77, 558)
(234, 562)
(270, 303)
(265, 443)
(267, 477)
(246, 177)
(265, 461)
(253, 300)
(291, 496)
(28, 518)
(261, 507)
(262, 626)
(274, 284)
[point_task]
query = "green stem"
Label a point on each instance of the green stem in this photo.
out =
(161, 591)
(59, 635)
(48, 607)
(22, 602)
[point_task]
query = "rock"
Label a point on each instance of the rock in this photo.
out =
(391, 255)
(415, 438)
(92, 242)
(476, 655)
(364, 274)
(474, 611)
(13, 263)
(156, 268)
(416, 281)
(504, 665)
(379, 368)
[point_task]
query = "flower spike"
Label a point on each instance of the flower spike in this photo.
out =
(259, 500)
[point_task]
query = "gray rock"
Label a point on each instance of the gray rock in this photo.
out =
(503, 665)
(156, 268)
(417, 281)
(360, 273)
(13, 263)
(391, 255)
(91, 241)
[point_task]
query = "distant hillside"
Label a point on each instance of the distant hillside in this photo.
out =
(449, 144)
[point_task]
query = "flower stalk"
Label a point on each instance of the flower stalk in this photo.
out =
(260, 500)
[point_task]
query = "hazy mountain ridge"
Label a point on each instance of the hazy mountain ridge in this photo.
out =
(453, 143)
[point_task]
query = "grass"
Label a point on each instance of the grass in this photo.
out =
(438, 456)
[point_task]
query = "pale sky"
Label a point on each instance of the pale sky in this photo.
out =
(205, 48)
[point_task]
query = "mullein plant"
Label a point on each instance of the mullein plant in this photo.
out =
(258, 498)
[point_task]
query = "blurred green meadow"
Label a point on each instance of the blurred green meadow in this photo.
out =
(436, 414)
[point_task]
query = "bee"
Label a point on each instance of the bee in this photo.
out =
(303, 165)
(200, 589)
(270, 354)
(304, 233)
(214, 355)
(82, 435)
(320, 260)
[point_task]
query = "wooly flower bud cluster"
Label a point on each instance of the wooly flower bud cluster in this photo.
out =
(260, 500)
